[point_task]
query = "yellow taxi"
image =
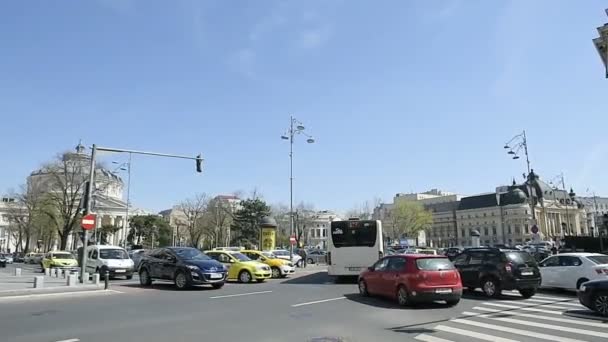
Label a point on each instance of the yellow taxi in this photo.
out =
(240, 267)
(59, 259)
(280, 268)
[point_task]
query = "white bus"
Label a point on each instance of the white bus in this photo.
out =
(353, 246)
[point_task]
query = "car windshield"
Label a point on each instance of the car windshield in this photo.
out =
(190, 254)
(112, 253)
(520, 257)
(599, 259)
(434, 264)
(240, 256)
(63, 256)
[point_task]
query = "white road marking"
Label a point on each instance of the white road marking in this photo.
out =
(515, 331)
(240, 294)
(318, 301)
(551, 306)
(474, 334)
(552, 302)
(59, 294)
(555, 319)
(517, 294)
(429, 338)
(70, 340)
(541, 325)
(526, 308)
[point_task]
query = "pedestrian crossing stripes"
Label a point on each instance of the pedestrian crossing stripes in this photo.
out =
(538, 318)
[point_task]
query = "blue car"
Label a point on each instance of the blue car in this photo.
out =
(184, 266)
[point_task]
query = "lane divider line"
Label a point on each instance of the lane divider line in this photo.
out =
(318, 301)
(58, 294)
(240, 294)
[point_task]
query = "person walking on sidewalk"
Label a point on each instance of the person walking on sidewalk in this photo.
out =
(302, 253)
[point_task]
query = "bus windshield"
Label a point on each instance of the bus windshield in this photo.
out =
(353, 233)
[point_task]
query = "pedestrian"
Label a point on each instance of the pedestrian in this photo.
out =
(302, 253)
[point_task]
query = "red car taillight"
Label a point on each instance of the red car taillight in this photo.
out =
(601, 270)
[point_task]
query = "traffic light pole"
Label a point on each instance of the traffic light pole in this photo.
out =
(94, 149)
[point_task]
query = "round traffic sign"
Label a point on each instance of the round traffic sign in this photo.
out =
(534, 229)
(88, 221)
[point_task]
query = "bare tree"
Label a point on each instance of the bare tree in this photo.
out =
(220, 215)
(194, 210)
(62, 187)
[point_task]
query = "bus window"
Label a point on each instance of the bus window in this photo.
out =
(353, 233)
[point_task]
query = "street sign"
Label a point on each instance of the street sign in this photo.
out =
(292, 240)
(88, 221)
(534, 229)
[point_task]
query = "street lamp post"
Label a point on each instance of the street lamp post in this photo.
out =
(515, 146)
(125, 223)
(295, 127)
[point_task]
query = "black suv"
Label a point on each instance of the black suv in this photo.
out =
(495, 269)
(185, 266)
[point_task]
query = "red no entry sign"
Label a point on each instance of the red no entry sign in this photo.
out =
(88, 221)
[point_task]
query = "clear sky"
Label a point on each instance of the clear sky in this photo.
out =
(400, 95)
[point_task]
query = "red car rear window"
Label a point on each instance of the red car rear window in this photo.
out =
(434, 264)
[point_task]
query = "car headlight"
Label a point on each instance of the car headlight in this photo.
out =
(583, 288)
(192, 267)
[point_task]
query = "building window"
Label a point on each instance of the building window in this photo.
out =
(526, 211)
(493, 230)
(324, 232)
(509, 229)
(492, 214)
(469, 215)
(485, 231)
(517, 229)
(527, 228)
(464, 233)
(484, 214)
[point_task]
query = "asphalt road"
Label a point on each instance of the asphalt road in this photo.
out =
(307, 307)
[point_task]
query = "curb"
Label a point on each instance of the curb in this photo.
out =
(48, 290)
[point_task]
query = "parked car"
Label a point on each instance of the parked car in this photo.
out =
(412, 278)
(570, 270)
(280, 268)
(284, 254)
(8, 257)
(185, 266)
(316, 256)
(594, 295)
(229, 249)
(33, 258)
(114, 259)
(18, 257)
(240, 267)
(2, 261)
(495, 269)
(452, 252)
(59, 259)
(136, 255)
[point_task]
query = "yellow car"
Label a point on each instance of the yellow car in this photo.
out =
(280, 268)
(59, 259)
(240, 267)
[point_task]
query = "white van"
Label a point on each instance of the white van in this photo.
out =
(115, 259)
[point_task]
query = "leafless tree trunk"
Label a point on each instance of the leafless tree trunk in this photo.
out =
(194, 209)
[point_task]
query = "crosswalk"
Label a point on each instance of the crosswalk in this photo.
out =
(541, 318)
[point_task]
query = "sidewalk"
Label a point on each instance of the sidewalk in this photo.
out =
(11, 285)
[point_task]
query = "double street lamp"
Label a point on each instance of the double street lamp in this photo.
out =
(125, 223)
(515, 147)
(295, 128)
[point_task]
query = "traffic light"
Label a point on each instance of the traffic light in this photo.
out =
(199, 163)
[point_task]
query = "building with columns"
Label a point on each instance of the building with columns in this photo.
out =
(107, 199)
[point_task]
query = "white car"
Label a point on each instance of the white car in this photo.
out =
(8, 258)
(284, 254)
(33, 258)
(113, 259)
(570, 270)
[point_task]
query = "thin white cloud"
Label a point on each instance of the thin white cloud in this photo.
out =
(313, 38)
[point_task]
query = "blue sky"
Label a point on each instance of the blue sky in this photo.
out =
(400, 95)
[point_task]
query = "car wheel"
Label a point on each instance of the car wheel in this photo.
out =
(452, 302)
(363, 288)
(181, 281)
(129, 277)
(310, 261)
(527, 293)
(144, 278)
(581, 282)
(491, 287)
(403, 297)
(245, 276)
(217, 285)
(276, 272)
(600, 303)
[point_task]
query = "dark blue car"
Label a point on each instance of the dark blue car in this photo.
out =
(184, 266)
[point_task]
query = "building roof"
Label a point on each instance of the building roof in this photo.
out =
(478, 201)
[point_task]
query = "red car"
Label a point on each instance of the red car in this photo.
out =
(413, 278)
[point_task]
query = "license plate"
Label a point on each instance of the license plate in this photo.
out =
(119, 271)
(527, 273)
(354, 268)
(443, 291)
(216, 276)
